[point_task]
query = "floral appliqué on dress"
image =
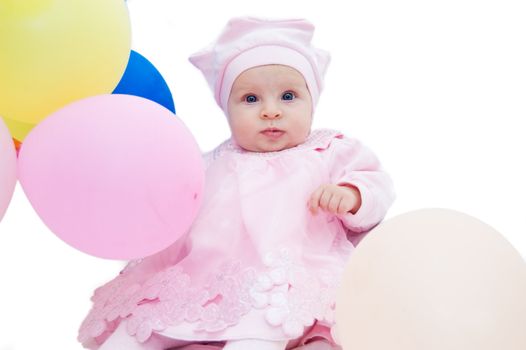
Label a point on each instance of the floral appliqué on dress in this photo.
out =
(292, 299)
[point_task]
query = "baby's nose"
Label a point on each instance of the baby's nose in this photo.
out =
(270, 112)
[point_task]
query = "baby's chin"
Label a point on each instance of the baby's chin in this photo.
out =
(271, 147)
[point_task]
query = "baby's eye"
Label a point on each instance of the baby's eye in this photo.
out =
(251, 98)
(288, 96)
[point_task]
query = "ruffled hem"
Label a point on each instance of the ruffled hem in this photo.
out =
(291, 298)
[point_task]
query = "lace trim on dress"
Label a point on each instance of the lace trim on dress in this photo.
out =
(292, 299)
(307, 297)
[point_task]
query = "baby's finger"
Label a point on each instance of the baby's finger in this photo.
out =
(314, 201)
(325, 199)
(344, 207)
(334, 203)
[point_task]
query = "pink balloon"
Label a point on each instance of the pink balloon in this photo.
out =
(115, 176)
(7, 168)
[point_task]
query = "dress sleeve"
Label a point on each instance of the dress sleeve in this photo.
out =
(351, 163)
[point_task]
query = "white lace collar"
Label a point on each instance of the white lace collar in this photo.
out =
(318, 139)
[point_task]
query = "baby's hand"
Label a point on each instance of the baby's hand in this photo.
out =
(336, 199)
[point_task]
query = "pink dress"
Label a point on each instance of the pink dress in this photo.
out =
(256, 263)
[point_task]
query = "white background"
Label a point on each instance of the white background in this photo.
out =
(436, 88)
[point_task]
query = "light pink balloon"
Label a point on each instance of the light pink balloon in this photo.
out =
(7, 168)
(115, 176)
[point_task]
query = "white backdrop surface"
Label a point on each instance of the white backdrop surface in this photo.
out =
(436, 89)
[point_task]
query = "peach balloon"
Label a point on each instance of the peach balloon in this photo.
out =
(433, 279)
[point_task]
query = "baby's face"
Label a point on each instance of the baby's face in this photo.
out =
(269, 109)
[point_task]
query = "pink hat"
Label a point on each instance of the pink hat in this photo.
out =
(248, 42)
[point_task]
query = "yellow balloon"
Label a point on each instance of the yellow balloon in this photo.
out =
(18, 130)
(433, 279)
(53, 52)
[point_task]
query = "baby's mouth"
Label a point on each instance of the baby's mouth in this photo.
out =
(274, 133)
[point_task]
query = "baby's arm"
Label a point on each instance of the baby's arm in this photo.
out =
(360, 192)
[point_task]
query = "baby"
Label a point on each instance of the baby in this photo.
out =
(260, 266)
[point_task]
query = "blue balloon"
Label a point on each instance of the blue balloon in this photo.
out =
(142, 79)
